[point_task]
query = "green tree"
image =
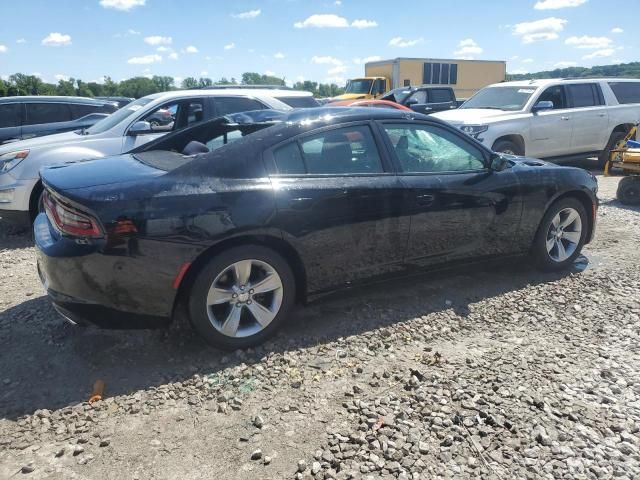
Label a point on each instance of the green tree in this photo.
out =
(97, 90)
(164, 83)
(253, 78)
(110, 88)
(83, 89)
(29, 85)
(225, 81)
(66, 87)
(138, 87)
(189, 82)
(205, 82)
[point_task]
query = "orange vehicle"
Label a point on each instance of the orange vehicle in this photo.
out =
(368, 103)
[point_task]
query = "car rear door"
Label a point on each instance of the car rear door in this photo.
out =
(339, 204)
(458, 207)
(590, 117)
(551, 130)
(45, 118)
(10, 121)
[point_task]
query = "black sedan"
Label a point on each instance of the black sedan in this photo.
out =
(296, 206)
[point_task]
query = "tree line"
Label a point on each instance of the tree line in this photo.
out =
(136, 87)
(631, 70)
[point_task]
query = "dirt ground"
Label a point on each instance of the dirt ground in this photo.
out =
(494, 371)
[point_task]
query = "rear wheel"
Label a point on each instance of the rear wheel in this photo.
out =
(614, 142)
(241, 297)
(561, 235)
(508, 147)
(629, 190)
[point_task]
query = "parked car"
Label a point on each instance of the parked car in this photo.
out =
(368, 103)
(323, 199)
(119, 101)
(133, 125)
(558, 119)
(424, 99)
(28, 117)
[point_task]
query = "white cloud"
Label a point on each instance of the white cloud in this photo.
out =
(230, 46)
(21, 40)
(545, 29)
(338, 2)
(565, 64)
(163, 49)
(527, 60)
(146, 60)
(3, 49)
(323, 21)
(131, 31)
(59, 76)
(204, 73)
(173, 56)
(337, 69)
(248, 14)
(340, 81)
(362, 61)
(37, 74)
(556, 4)
(327, 60)
(279, 55)
(270, 73)
(56, 39)
(361, 23)
(404, 43)
(158, 40)
(124, 5)
(589, 42)
(177, 80)
(191, 49)
(605, 52)
(617, 30)
(468, 47)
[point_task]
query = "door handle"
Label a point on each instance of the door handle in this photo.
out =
(602, 114)
(425, 199)
(565, 118)
(301, 203)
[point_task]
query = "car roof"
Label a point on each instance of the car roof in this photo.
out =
(543, 82)
(51, 99)
(226, 92)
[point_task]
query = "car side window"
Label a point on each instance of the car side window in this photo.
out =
(163, 118)
(428, 149)
(341, 151)
(195, 112)
(556, 95)
(222, 140)
(227, 105)
(38, 113)
(441, 95)
(582, 95)
(10, 115)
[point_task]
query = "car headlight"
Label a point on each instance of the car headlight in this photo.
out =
(474, 130)
(10, 160)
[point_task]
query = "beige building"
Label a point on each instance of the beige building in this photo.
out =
(466, 77)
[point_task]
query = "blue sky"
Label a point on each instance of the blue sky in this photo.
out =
(323, 40)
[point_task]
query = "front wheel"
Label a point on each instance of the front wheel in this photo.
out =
(560, 236)
(507, 147)
(241, 297)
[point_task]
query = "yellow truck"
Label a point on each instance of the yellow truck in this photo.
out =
(365, 88)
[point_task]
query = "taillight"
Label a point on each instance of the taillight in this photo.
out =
(69, 220)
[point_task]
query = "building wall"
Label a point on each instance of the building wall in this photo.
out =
(472, 75)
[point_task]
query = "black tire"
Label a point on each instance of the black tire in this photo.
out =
(615, 138)
(36, 205)
(541, 257)
(508, 147)
(629, 191)
(197, 298)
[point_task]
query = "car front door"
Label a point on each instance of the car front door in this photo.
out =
(339, 204)
(551, 130)
(589, 117)
(458, 206)
(10, 122)
(168, 117)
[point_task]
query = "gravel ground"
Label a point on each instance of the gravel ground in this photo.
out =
(495, 372)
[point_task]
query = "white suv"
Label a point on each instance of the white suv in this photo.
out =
(553, 119)
(133, 125)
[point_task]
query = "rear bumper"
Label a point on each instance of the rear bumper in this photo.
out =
(88, 283)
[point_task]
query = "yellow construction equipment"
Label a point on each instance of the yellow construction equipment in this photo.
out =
(626, 156)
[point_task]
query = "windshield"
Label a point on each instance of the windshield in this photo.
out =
(500, 98)
(117, 117)
(359, 86)
(300, 102)
(398, 95)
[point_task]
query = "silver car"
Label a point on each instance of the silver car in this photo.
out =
(133, 125)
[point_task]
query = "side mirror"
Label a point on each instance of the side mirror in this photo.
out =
(412, 101)
(541, 106)
(140, 128)
(498, 162)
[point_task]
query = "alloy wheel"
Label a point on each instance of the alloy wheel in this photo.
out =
(244, 298)
(564, 234)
